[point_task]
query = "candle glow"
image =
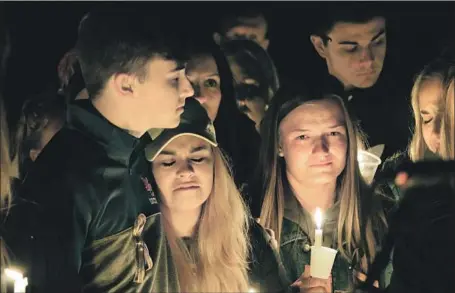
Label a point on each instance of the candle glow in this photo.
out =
(20, 283)
(318, 231)
(318, 218)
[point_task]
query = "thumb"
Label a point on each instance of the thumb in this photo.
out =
(306, 272)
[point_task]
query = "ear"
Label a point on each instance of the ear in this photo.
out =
(34, 153)
(280, 152)
(318, 45)
(123, 83)
(217, 38)
(265, 44)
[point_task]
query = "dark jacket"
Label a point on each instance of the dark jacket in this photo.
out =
(87, 220)
(297, 237)
(83, 195)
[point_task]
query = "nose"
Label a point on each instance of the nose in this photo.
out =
(185, 88)
(198, 94)
(320, 145)
(367, 56)
(185, 170)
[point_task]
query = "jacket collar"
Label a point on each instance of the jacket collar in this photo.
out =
(84, 117)
(295, 213)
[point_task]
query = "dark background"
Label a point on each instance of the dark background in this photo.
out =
(41, 32)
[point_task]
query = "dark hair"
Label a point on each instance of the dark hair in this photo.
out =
(235, 132)
(354, 12)
(37, 112)
(75, 84)
(119, 39)
(255, 61)
(231, 19)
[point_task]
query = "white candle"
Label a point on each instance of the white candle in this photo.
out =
(318, 231)
(20, 283)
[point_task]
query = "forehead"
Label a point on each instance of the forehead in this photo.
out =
(185, 144)
(429, 93)
(200, 65)
(159, 64)
(358, 31)
(313, 114)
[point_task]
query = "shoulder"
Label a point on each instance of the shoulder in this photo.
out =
(70, 164)
(266, 269)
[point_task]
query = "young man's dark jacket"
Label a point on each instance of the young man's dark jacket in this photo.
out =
(77, 227)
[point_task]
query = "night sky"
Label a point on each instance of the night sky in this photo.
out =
(41, 32)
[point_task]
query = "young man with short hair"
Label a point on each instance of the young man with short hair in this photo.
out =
(90, 186)
(351, 38)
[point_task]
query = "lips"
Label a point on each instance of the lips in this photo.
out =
(322, 164)
(368, 73)
(187, 186)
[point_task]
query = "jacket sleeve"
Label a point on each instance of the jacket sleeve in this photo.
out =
(59, 229)
(267, 273)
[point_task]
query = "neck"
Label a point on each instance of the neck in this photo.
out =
(183, 222)
(346, 86)
(116, 113)
(312, 196)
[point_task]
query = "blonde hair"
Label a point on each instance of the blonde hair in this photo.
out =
(355, 220)
(219, 263)
(442, 71)
(7, 172)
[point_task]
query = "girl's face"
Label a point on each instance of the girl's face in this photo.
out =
(314, 142)
(431, 111)
(184, 173)
(203, 74)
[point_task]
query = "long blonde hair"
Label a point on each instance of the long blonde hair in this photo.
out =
(355, 223)
(220, 260)
(443, 71)
(7, 172)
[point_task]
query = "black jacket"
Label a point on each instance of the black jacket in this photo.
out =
(77, 224)
(85, 191)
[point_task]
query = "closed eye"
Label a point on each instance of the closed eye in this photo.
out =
(198, 160)
(167, 164)
(427, 121)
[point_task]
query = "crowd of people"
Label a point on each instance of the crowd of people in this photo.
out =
(175, 162)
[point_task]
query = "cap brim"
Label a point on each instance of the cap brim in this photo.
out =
(162, 141)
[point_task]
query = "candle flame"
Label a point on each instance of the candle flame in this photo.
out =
(318, 218)
(14, 274)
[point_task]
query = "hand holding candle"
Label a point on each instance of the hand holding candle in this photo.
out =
(322, 258)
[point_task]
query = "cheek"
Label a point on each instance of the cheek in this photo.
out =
(205, 174)
(296, 155)
(340, 151)
(163, 179)
(213, 102)
(426, 133)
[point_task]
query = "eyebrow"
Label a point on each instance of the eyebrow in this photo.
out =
(380, 33)
(330, 127)
(180, 65)
(424, 112)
